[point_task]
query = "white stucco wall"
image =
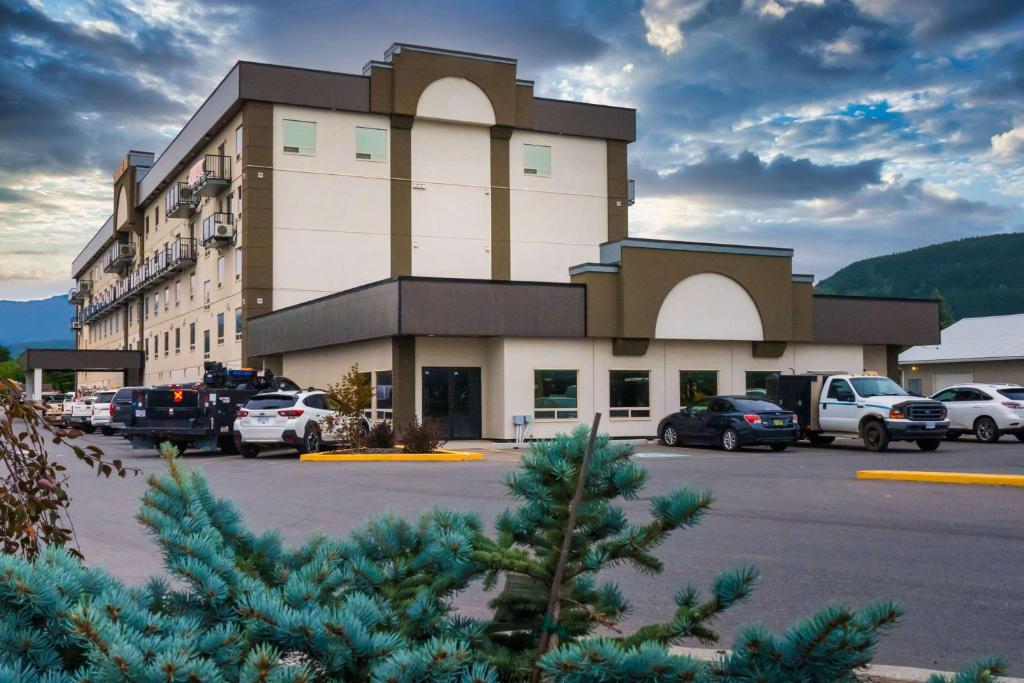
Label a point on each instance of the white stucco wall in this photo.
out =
(557, 221)
(709, 306)
(451, 200)
(455, 99)
(332, 212)
(320, 367)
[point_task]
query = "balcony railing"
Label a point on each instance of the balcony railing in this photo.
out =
(76, 295)
(630, 192)
(118, 257)
(218, 230)
(210, 175)
(177, 256)
(180, 201)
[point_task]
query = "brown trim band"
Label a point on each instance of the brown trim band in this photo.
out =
(401, 195)
(501, 206)
(257, 235)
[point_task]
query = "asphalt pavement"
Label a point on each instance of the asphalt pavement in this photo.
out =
(952, 555)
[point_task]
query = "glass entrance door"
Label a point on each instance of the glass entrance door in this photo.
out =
(451, 397)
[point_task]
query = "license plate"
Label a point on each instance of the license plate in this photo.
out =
(929, 425)
(262, 420)
(140, 413)
(778, 423)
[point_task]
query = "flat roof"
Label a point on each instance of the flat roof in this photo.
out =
(989, 338)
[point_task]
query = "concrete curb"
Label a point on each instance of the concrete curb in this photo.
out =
(976, 478)
(436, 456)
(874, 672)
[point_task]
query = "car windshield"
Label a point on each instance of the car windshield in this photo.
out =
(270, 402)
(877, 386)
(1013, 393)
(752, 406)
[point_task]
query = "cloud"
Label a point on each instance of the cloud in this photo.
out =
(746, 177)
(1011, 143)
(663, 18)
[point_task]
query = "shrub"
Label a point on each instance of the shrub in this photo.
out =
(421, 437)
(34, 500)
(381, 435)
(377, 606)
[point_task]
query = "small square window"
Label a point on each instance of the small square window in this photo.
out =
(371, 144)
(299, 137)
(537, 160)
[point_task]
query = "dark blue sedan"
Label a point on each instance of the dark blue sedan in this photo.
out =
(731, 422)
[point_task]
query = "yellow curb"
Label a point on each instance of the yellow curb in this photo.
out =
(945, 477)
(436, 456)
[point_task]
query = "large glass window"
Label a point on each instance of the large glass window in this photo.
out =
(220, 270)
(371, 144)
(696, 385)
(537, 160)
(206, 343)
(238, 323)
(220, 328)
(238, 142)
(299, 137)
(762, 384)
(629, 393)
(191, 336)
(554, 394)
(384, 394)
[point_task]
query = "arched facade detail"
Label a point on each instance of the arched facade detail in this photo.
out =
(709, 306)
(455, 99)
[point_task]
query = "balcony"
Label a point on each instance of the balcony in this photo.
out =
(180, 254)
(210, 176)
(218, 230)
(180, 201)
(76, 295)
(76, 324)
(630, 192)
(118, 257)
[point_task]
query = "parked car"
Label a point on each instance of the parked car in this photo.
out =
(101, 413)
(867, 407)
(285, 419)
(52, 406)
(986, 410)
(731, 422)
(81, 414)
(119, 410)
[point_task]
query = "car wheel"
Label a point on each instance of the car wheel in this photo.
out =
(88, 429)
(779, 447)
(669, 436)
(311, 442)
(250, 451)
(986, 430)
(820, 439)
(226, 444)
(876, 437)
(929, 444)
(731, 440)
(953, 436)
(106, 431)
(1020, 437)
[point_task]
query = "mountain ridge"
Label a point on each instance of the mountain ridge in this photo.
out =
(41, 322)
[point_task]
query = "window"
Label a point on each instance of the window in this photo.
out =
(914, 386)
(156, 346)
(537, 160)
(191, 336)
(177, 340)
(192, 286)
(1012, 393)
(971, 396)
(554, 394)
(220, 270)
(238, 263)
(238, 142)
(947, 395)
(371, 144)
(763, 385)
(177, 292)
(840, 388)
(238, 323)
(156, 217)
(383, 395)
(299, 137)
(695, 385)
(146, 348)
(167, 343)
(167, 298)
(147, 230)
(629, 393)
(206, 292)
(220, 328)
(206, 343)
(147, 307)
(156, 304)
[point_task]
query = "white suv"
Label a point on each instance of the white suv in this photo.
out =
(986, 410)
(284, 418)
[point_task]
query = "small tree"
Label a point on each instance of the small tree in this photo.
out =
(348, 398)
(945, 315)
(33, 488)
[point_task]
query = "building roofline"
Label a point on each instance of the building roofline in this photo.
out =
(682, 245)
(918, 300)
(585, 104)
(965, 359)
(396, 48)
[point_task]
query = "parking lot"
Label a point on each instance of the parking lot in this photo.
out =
(953, 555)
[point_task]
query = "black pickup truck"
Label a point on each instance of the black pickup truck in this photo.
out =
(197, 416)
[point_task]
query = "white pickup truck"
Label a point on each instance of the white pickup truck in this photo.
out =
(873, 409)
(80, 416)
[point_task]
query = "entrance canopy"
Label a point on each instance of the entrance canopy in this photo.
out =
(34, 361)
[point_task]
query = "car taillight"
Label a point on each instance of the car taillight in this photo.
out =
(242, 412)
(796, 420)
(290, 412)
(111, 410)
(897, 414)
(753, 419)
(1013, 405)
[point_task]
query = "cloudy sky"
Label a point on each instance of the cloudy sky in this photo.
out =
(843, 128)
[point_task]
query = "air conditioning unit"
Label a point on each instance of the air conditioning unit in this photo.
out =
(124, 250)
(222, 230)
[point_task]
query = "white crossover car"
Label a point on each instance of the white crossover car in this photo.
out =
(986, 410)
(101, 413)
(289, 419)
